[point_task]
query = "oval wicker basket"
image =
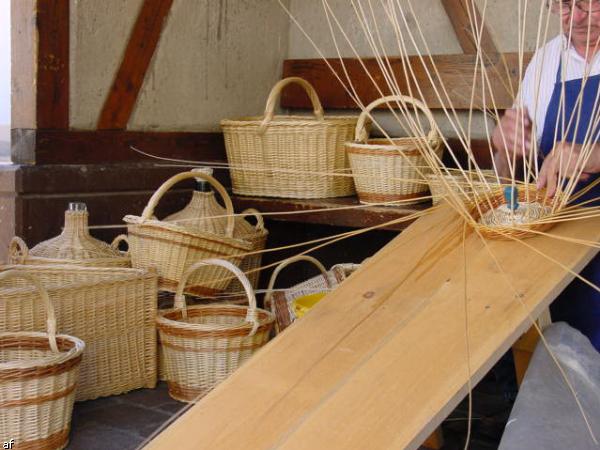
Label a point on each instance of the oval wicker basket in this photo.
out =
(203, 344)
(171, 248)
(74, 245)
(509, 232)
(391, 172)
(38, 377)
(290, 156)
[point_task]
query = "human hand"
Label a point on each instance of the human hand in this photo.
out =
(565, 161)
(512, 135)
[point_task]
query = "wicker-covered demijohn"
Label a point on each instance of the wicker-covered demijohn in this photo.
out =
(171, 248)
(74, 245)
(289, 156)
(204, 344)
(38, 377)
(392, 170)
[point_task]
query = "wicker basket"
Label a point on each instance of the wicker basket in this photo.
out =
(38, 376)
(289, 156)
(280, 301)
(385, 172)
(73, 246)
(112, 310)
(171, 248)
(204, 344)
(459, 185)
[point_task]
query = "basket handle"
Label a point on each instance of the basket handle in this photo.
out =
(260, 222)
(361, 135)
(116, 241)
(149, 209)
(286, 263)
(17, 250)
(51, 316)
(276, 92)
(251, 315)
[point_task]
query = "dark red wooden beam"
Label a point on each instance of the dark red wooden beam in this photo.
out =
(458, 14)
(144, 38)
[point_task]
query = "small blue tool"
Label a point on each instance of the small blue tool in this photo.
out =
(511, 195)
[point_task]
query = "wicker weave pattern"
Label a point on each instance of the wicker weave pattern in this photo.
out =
(203, 345)
(112, 310)
(289, 156)
(38, 376)
(390, 170)
(171, 248)
(438, 188)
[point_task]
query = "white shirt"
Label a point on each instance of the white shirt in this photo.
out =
(540, 77)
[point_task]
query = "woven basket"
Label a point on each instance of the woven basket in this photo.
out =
(112, 310)
(203, 345)
(509, 232)
(38, 376)
(458, 184)
(171, 248)
(385, 172)
(289, 156)
(73, 246)
(280, 301)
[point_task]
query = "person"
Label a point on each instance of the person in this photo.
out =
(562, 82)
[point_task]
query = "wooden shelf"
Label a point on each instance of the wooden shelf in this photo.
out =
(330, 211)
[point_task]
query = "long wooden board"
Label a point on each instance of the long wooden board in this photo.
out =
(383, 360)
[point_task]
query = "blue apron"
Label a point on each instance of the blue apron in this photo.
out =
(578, 304)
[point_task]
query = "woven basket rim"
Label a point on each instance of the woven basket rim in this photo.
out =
(287, 120)
(138, 221)
(402, 144)
(77, 348)
(43, 260)
(162, 319)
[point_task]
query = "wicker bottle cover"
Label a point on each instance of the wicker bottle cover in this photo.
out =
(204, 214)
(74, 245)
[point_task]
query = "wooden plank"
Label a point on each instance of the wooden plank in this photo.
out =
(112, 146)
(52, 20)
(123, 94)
(456, 74)
(459, 16)
(382, 361)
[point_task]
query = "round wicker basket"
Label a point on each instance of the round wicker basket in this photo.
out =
(387, 171)
(203, 344)
(38, 377)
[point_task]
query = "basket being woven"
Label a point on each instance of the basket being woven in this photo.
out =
(172, 248)
(289, 156)
(393, 171)
(113, 310)
(38, 377)
(204, 344)
(74, 245)
(280, 301)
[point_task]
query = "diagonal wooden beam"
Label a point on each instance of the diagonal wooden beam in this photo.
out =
(122, 97)
(458, 14)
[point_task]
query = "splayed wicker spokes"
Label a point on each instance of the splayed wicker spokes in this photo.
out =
(289, 156)
(171, 248)
(38, 377)
(74, 245)
(389, 170)
(494, 220)
(280, 301)
(204, 344)
(112, 309)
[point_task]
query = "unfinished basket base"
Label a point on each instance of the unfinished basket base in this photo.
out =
(369, 198)
(185, 393)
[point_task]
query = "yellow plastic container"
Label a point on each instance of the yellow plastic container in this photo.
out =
(303, 304)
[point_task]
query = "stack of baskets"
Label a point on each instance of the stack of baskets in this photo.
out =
(204, 344)
(289, 156)
(38, 377)
(282, 302)
(392, 171)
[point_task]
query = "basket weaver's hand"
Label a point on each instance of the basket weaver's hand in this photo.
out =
(565, 161)
(513, 134)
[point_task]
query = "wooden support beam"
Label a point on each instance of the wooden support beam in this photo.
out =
(144, 38)
(458, 14)
(456, 74)
(382, 360)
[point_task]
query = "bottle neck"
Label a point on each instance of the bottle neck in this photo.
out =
(202, 186)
